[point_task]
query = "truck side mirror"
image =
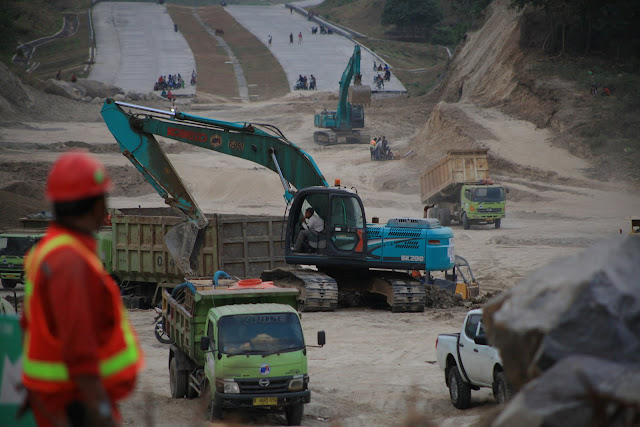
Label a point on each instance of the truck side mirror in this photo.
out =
(204, 343)
(321, 338)
(480, 340)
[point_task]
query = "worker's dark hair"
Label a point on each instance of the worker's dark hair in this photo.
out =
(310, 210)
(75, 208)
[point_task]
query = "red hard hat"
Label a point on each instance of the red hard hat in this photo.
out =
(76, 175)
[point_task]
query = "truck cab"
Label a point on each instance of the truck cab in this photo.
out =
(242, 343)
(255, 357)
(482, 203)
(13, 248)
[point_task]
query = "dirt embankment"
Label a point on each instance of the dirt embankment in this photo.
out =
(23, 185)
(495, 69)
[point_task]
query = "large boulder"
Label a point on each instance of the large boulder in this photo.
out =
(66, 89)
(577, 391)
(94, 88)
(585, 305)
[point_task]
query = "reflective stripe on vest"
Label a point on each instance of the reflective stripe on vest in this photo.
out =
(57, 371)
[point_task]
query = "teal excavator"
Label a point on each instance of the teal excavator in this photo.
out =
(340, 125)
(350, 255)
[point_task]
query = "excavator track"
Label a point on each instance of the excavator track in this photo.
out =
(318, 292)
(402, 292)
(325, 137)
(408, 296)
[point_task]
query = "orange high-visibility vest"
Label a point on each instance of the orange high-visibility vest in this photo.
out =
(42, 366)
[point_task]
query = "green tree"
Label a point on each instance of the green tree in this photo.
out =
(424, 14)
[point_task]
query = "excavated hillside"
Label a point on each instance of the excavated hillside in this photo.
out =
(492, 96)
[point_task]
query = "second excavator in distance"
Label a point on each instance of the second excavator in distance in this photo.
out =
(340, 126)
(350, 255)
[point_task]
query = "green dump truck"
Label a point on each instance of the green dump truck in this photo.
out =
(458, 188)
(240, 347)
(13, 247)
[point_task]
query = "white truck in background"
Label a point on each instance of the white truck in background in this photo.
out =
(469, 362)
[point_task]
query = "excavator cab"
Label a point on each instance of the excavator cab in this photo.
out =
(343, 238)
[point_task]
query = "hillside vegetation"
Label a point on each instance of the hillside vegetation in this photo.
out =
(533, 59)
(411, 36)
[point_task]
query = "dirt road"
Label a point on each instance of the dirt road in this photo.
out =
(374, 367)
(375, 362)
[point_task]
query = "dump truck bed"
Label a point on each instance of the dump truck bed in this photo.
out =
(241, 245)
(442, 182)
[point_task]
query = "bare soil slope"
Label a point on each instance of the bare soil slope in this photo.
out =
(494, 68)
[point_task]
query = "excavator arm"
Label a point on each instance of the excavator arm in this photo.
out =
(353, 68)
(135, 131)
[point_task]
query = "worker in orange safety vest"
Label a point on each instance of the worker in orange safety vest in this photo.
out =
(81, 354)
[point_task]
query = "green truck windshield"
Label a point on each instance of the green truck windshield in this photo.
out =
(15, 246)
(487, 194)
(267, 333)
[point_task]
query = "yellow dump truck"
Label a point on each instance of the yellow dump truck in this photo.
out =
(458, 188)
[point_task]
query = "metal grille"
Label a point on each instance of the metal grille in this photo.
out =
(252, 386)
(409, 244)
(490, 210)
(373, 233)
(404, 232)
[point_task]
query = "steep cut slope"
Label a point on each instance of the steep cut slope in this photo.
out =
(572, 133)
(484, 69)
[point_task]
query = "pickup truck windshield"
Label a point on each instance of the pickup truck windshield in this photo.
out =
(267, 333)
(14, 246)
(487, 194)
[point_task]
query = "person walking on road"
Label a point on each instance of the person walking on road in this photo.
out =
(300, 37)
(81, 354)
(270, 39)
(290, 38)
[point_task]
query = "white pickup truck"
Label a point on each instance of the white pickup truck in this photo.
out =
(469, 363)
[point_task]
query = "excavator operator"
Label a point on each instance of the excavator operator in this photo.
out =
(311, 225)
(80, 352)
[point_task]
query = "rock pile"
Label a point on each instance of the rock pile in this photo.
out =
(569, 337)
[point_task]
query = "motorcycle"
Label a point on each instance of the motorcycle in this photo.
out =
(159, 331)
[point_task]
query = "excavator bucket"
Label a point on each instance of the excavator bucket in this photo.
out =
(359, 94)
(182, 242)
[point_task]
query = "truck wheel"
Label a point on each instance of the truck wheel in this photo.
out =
(497, 223)
(294, 414)
(9, 284)
(459, 391)
(465, 221)
(502, 390)
(443, 215)
(432, 213)
(447, 217)
(177, 380)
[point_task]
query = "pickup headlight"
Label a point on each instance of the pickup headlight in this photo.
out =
(227, 386)
(296, 383)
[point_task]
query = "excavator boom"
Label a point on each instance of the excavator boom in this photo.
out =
(135, 129)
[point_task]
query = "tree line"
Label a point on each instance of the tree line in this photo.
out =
(611, 27)
(425, 20)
